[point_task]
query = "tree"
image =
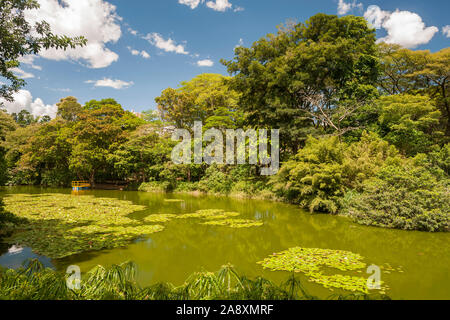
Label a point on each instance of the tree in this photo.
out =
(206, 96)
(281, 77)
(418, 72)
(143, 155)
(24, 118)
(99, 131)
(18, 38)
(410, 122)
(7, 124)
(69, 109)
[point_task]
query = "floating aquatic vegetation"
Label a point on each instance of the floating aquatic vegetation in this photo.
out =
(201, 214)
(223, 215)
(160, 218)
(173, 200)
(61, 225)
(235, 223)
(312, 261)
(217, 217)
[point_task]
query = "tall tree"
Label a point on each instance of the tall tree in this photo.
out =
(412, 72)
(7, 124)
(205, 98)
(100, 129)
(281, 77)
(69, 108)
(18, 38)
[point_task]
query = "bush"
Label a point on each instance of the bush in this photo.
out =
(406, 195)
(215, 181)
(326, 169)
(156, 186)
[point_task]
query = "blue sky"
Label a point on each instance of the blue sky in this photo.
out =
(140, 47)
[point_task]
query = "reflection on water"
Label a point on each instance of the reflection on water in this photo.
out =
(185, 246)
(15, 256)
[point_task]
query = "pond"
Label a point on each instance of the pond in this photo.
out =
(420, 260)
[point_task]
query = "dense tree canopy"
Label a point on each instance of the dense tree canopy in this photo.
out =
(308, 77)
(205, 98)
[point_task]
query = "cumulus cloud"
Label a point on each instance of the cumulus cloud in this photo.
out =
(29, 61)
(205, 63)
(168, 45)
(110, 83)
(191, 3)
(144, 54)
(403, 27)
(96, 20)
(446, 31)
(219, 5)
(22, 74)
(23, 100)
(344, 7)
(216, 5)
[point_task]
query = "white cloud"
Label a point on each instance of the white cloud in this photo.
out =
(403, 27)
(29, 60)
(446, 31)
(216, 5)
(132, 31)
(144, 54)
(219, 5)
(110, 83)
(205, 63)
(191, 3)
(344, 7)
(22, 74)
(168, 45)
(23, 100)
(96, 20)
(375, 16)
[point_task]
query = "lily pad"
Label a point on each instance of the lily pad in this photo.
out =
(313, 263)
(60, 225)
(235, 223)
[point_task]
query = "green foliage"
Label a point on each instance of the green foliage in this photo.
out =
(8, 221)
(315, 178)
(155, 186)
(411, 122)
(7, 125)
(215, 181)
(291, 79)
(69, 109)
(408, 71)
(405, 194)
(315, 262)
(325, 169)
(61, 225)
(205, 98)
(35, 282)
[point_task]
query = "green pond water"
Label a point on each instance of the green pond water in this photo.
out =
(186, 246)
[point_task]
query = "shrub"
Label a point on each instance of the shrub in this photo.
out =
(156, 186)
(404, 195)
(215, 181)
(326, 169)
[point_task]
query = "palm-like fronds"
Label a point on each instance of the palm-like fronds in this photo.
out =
(35, 282)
